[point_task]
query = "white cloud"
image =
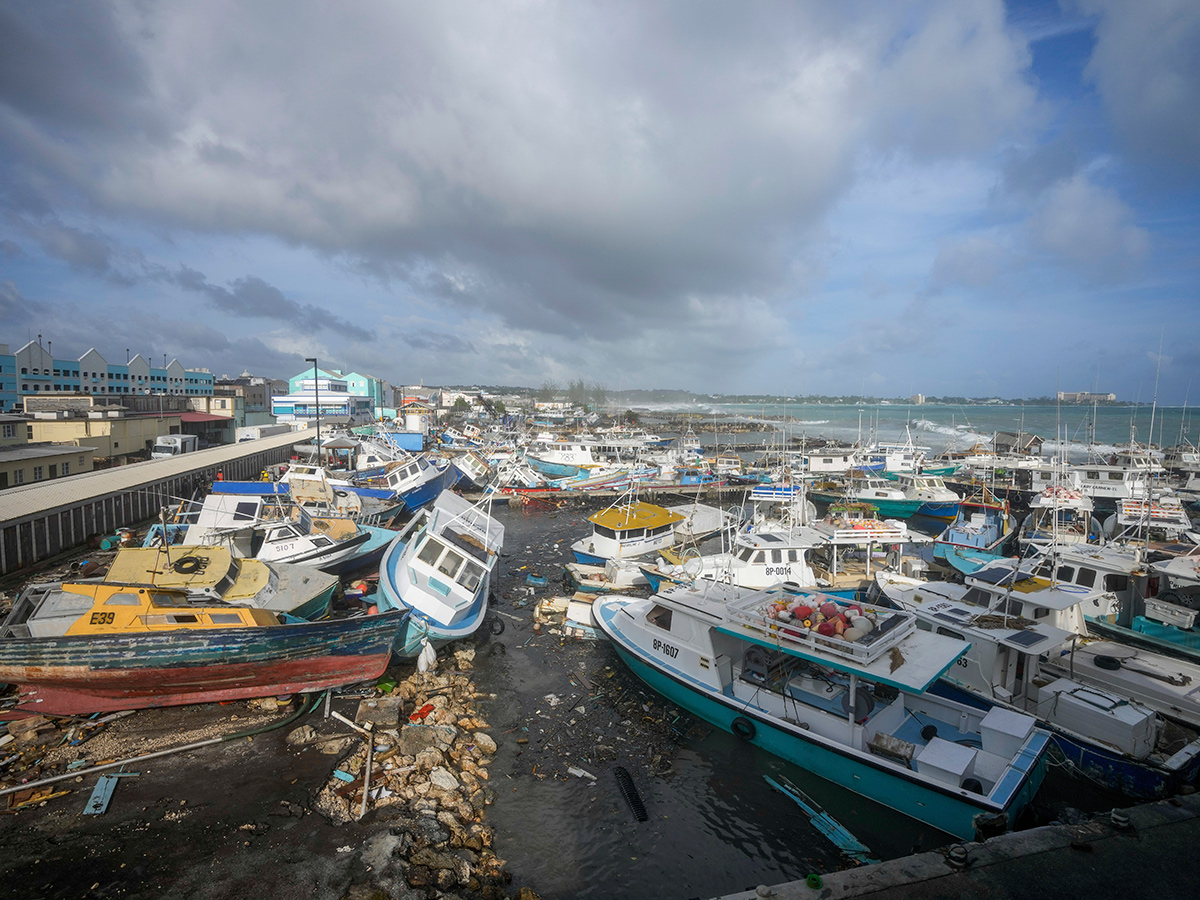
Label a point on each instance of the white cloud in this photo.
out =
(1146, 66)
(1088, 228)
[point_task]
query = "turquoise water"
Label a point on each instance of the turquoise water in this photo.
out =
(945, 427)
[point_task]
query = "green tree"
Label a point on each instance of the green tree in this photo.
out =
(599, 395)
(577, 392)
(549, 391)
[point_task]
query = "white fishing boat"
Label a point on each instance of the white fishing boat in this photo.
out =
(440, 567)
(850, 707)
(1105, 737)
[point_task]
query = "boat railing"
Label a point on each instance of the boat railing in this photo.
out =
(878, 532)
(753, 614)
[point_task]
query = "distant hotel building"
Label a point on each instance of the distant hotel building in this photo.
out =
(33, 371)
(1085, 397)
(917, 399)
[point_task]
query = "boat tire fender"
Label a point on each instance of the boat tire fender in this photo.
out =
(743, 728)
(1112, 663)
(496, 626)
(187, 565)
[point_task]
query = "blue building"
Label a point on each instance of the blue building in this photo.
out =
(33, 370)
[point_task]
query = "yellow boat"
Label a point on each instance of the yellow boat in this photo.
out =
(101, 608)
(215, 573)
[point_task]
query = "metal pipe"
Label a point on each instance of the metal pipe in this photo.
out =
(362, 810)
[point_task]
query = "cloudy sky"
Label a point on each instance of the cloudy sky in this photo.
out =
(969, 198)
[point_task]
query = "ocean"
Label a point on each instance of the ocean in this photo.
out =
(941, 427)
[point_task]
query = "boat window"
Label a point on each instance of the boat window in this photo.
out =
(1040, 612)
(634, 533)
(1065, 573)
(760, 557)
(1116, 476)
(1086, 577)
(922, 625)
(167, 598)
(659, 616)
(1093, 476)
(977, 597)
(245, 511)
(225, 619)
(123, 600)
(948, 633)
(601, 531)
(430, 552)
(321, 541)
(470, 576)
(1116, 582)
(450, 564)
(776, 556)
(745, 555)
(793, 556)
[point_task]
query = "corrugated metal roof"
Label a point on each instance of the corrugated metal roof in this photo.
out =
(30, 499)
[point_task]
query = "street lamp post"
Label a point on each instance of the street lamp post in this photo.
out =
(317, 401)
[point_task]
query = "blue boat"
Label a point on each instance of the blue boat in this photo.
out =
(982, 527)
(440, 568)
(851, 707)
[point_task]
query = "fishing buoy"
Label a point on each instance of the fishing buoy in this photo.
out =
(853, 634)
(826, 629)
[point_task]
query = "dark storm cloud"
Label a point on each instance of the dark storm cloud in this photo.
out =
(424, 339)
(15, 308)
(68, 64)
(251, 297)
(588, 167)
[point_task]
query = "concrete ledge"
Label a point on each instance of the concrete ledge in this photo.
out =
(1084, 859)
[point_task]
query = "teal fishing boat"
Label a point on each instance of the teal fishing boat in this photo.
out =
(838, 689)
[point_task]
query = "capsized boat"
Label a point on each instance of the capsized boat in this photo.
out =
(277, 530)
(848, 704)
(79, 648)
(440, 568)
(215, 574)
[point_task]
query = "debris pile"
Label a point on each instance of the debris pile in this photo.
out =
(423, 768)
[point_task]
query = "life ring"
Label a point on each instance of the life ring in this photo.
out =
(743, 728)
(188, 565)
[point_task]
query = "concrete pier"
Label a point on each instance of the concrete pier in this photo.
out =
(1150, 855)
(41, 520)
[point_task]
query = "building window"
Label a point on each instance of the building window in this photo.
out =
(37, 473)
(19, 476)
(10, 431)
(66, 468)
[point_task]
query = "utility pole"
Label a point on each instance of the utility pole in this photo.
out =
(317, 401)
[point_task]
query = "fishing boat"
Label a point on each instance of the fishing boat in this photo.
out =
(1059, 514)
(632, 528)
(440, 568)
(1105, 737)
(415, 482)
(884, 495)
(851, 707)
(978, 533)
(937, 500)
(81, 648)
(277, 530)
(217, 575)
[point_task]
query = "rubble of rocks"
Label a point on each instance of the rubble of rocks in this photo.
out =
(430, 754)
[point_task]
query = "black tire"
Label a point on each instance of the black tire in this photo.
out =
(496, 626)
(1111, 663)
(188, 565)
(743, 728)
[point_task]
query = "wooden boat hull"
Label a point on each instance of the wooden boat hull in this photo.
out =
(86, 674)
